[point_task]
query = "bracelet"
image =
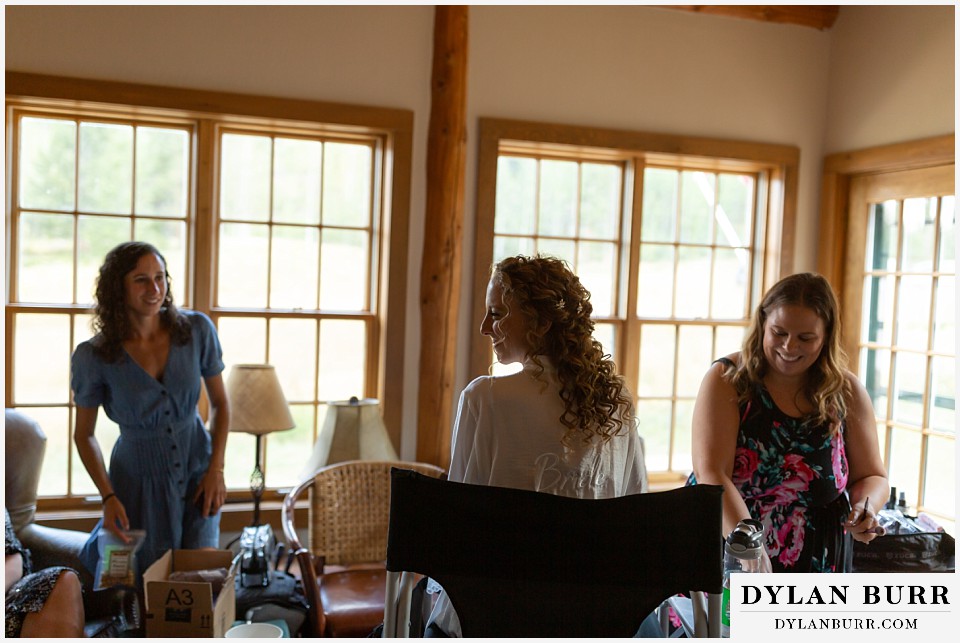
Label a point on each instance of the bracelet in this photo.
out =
(107, 497)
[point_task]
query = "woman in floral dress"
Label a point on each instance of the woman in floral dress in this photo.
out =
(47, 603)
(790, 433)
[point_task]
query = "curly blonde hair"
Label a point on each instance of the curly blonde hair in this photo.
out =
(557, 308)
(826, 385)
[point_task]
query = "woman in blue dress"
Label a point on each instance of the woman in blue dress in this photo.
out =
(790, 433)
(144, 367)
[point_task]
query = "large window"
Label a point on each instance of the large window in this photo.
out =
(901, 300)
(888, 243)
(675, 248)
(274, 217)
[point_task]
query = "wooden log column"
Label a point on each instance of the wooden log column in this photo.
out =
(440, 270)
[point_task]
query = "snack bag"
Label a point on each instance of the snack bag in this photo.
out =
(118, 561)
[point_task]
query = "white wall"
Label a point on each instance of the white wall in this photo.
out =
(629, 67)
(892, 76)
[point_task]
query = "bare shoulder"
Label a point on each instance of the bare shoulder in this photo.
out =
(857, 395)
(716, 385)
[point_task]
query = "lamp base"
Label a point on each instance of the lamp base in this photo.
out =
(255, 543)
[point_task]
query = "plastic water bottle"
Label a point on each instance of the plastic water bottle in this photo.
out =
(741, 553)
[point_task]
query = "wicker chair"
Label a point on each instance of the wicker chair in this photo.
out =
(343, 571)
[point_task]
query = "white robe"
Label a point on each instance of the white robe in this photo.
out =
(508, 434)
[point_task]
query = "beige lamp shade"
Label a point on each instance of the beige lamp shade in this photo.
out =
(352, 430)
(257, 403)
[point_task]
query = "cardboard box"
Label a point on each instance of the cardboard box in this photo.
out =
(181, 609)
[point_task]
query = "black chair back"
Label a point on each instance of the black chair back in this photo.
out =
(521, 563)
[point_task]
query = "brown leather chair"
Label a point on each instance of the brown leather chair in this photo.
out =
(343, 571)
(109, 612)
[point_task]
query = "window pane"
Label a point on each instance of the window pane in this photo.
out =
(239, 459)
(516, 195)
(659, 205)
(656, 418)
(908, 383)
(944, 392)
(656, 360)
(293, 351)
(106, 168)
(940, 486)
(882, 237)
(596, 268)
(903, 469)
(170, 238)
(696, 207)
(729, 340)
(242, 272)
(343, 357)
(606, 335)
(558, 198)
(948, 239)
(294, 274)
(46, 258)
(877, 317)
(245, 177)
(287, 451)
(244, 341)
(344, 270)
(913, 313)
(106, 433)
(82, 329)
(655, 289)
(875, 375)
(945, 326)
(163, 165)
(600, 201)
(41, 359)
(693, 358)
(296, 181)
(96, 236)
(561, 249)
(735, 214)
(347, 172)
(692, 284)
(919, 219)
(48, 152)
(504, 247)
(682, 451)
(53, 422)
(730, 283)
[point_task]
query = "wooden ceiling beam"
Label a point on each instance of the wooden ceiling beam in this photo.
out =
(816, 16)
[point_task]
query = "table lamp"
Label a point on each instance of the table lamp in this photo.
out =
(257, 406)
(353, 430)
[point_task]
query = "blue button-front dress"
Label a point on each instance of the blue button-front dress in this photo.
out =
(163, 450)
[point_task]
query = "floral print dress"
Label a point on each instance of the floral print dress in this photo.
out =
(30, 592)
(793, 477)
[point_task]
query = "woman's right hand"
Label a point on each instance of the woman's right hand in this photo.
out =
(115, 518)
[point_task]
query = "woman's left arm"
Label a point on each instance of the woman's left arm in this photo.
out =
(212, 491)
(868, 478)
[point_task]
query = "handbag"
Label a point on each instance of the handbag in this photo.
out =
(916, 552)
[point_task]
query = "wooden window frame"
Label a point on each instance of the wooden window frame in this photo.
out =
(210, 110)
(841, 167)
(840, 265)
(497, 135)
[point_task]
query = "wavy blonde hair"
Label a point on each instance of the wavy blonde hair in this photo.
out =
(826, 385)
(556, 309)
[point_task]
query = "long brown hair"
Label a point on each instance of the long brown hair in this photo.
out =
(826, 385)
(557, 310)
(110, 319)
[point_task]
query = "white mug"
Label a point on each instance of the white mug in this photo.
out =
(254, 631)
